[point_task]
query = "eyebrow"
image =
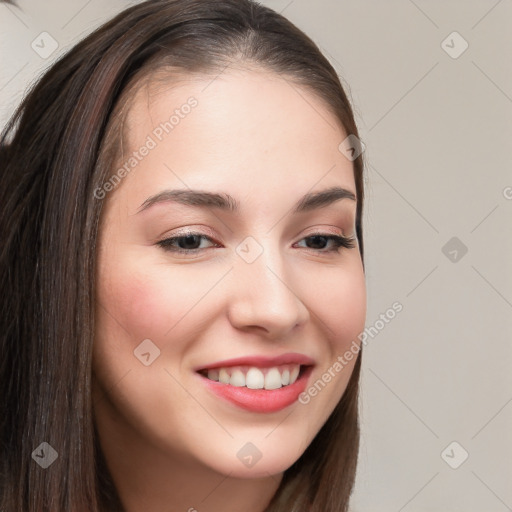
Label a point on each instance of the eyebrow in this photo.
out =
(226, 202)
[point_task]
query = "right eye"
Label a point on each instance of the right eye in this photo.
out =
(187, 243)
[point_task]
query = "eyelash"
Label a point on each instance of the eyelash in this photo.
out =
(338, 241)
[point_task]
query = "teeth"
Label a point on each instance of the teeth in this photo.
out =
(273, 379)
(256, 378)
(237, 379)
(294, 374)
(224, 376)
(213, 374)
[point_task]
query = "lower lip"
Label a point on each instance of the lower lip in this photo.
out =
(260, 400)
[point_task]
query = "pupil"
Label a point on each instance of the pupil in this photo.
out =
(189, 239)
(318, 237)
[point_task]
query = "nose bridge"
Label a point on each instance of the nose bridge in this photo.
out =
(263, 293)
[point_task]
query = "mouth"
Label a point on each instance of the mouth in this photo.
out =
(252, 377)
(259, 384)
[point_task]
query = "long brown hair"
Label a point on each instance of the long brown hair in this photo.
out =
(56, 150)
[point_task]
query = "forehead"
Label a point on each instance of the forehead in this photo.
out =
(246, 126)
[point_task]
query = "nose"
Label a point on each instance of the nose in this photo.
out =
(265, 297)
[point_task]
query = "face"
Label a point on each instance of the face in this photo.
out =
(214, 324)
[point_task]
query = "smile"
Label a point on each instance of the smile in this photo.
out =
(255, 378)
(258, 384)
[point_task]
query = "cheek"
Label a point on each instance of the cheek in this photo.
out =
(127, 313)
(340, 304)
(352, 311)
(135, 304)
(143, 298)
(342, 310)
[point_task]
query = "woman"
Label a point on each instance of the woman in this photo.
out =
(143, 372)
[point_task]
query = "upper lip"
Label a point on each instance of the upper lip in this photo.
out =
(261, 361)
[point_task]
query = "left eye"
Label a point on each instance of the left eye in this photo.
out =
(190, 243)
(337, 241)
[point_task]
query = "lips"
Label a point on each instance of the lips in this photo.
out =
(262, 361)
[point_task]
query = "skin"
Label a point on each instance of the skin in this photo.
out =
(171, 444)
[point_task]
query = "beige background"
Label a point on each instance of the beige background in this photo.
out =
(438, 134)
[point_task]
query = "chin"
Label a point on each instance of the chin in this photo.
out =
(261, 469)
(254, 459)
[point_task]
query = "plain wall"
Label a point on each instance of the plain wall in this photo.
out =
(437, 128)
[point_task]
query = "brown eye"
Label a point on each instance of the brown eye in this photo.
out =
(322, 239)
(186, 243)
(189, 243)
